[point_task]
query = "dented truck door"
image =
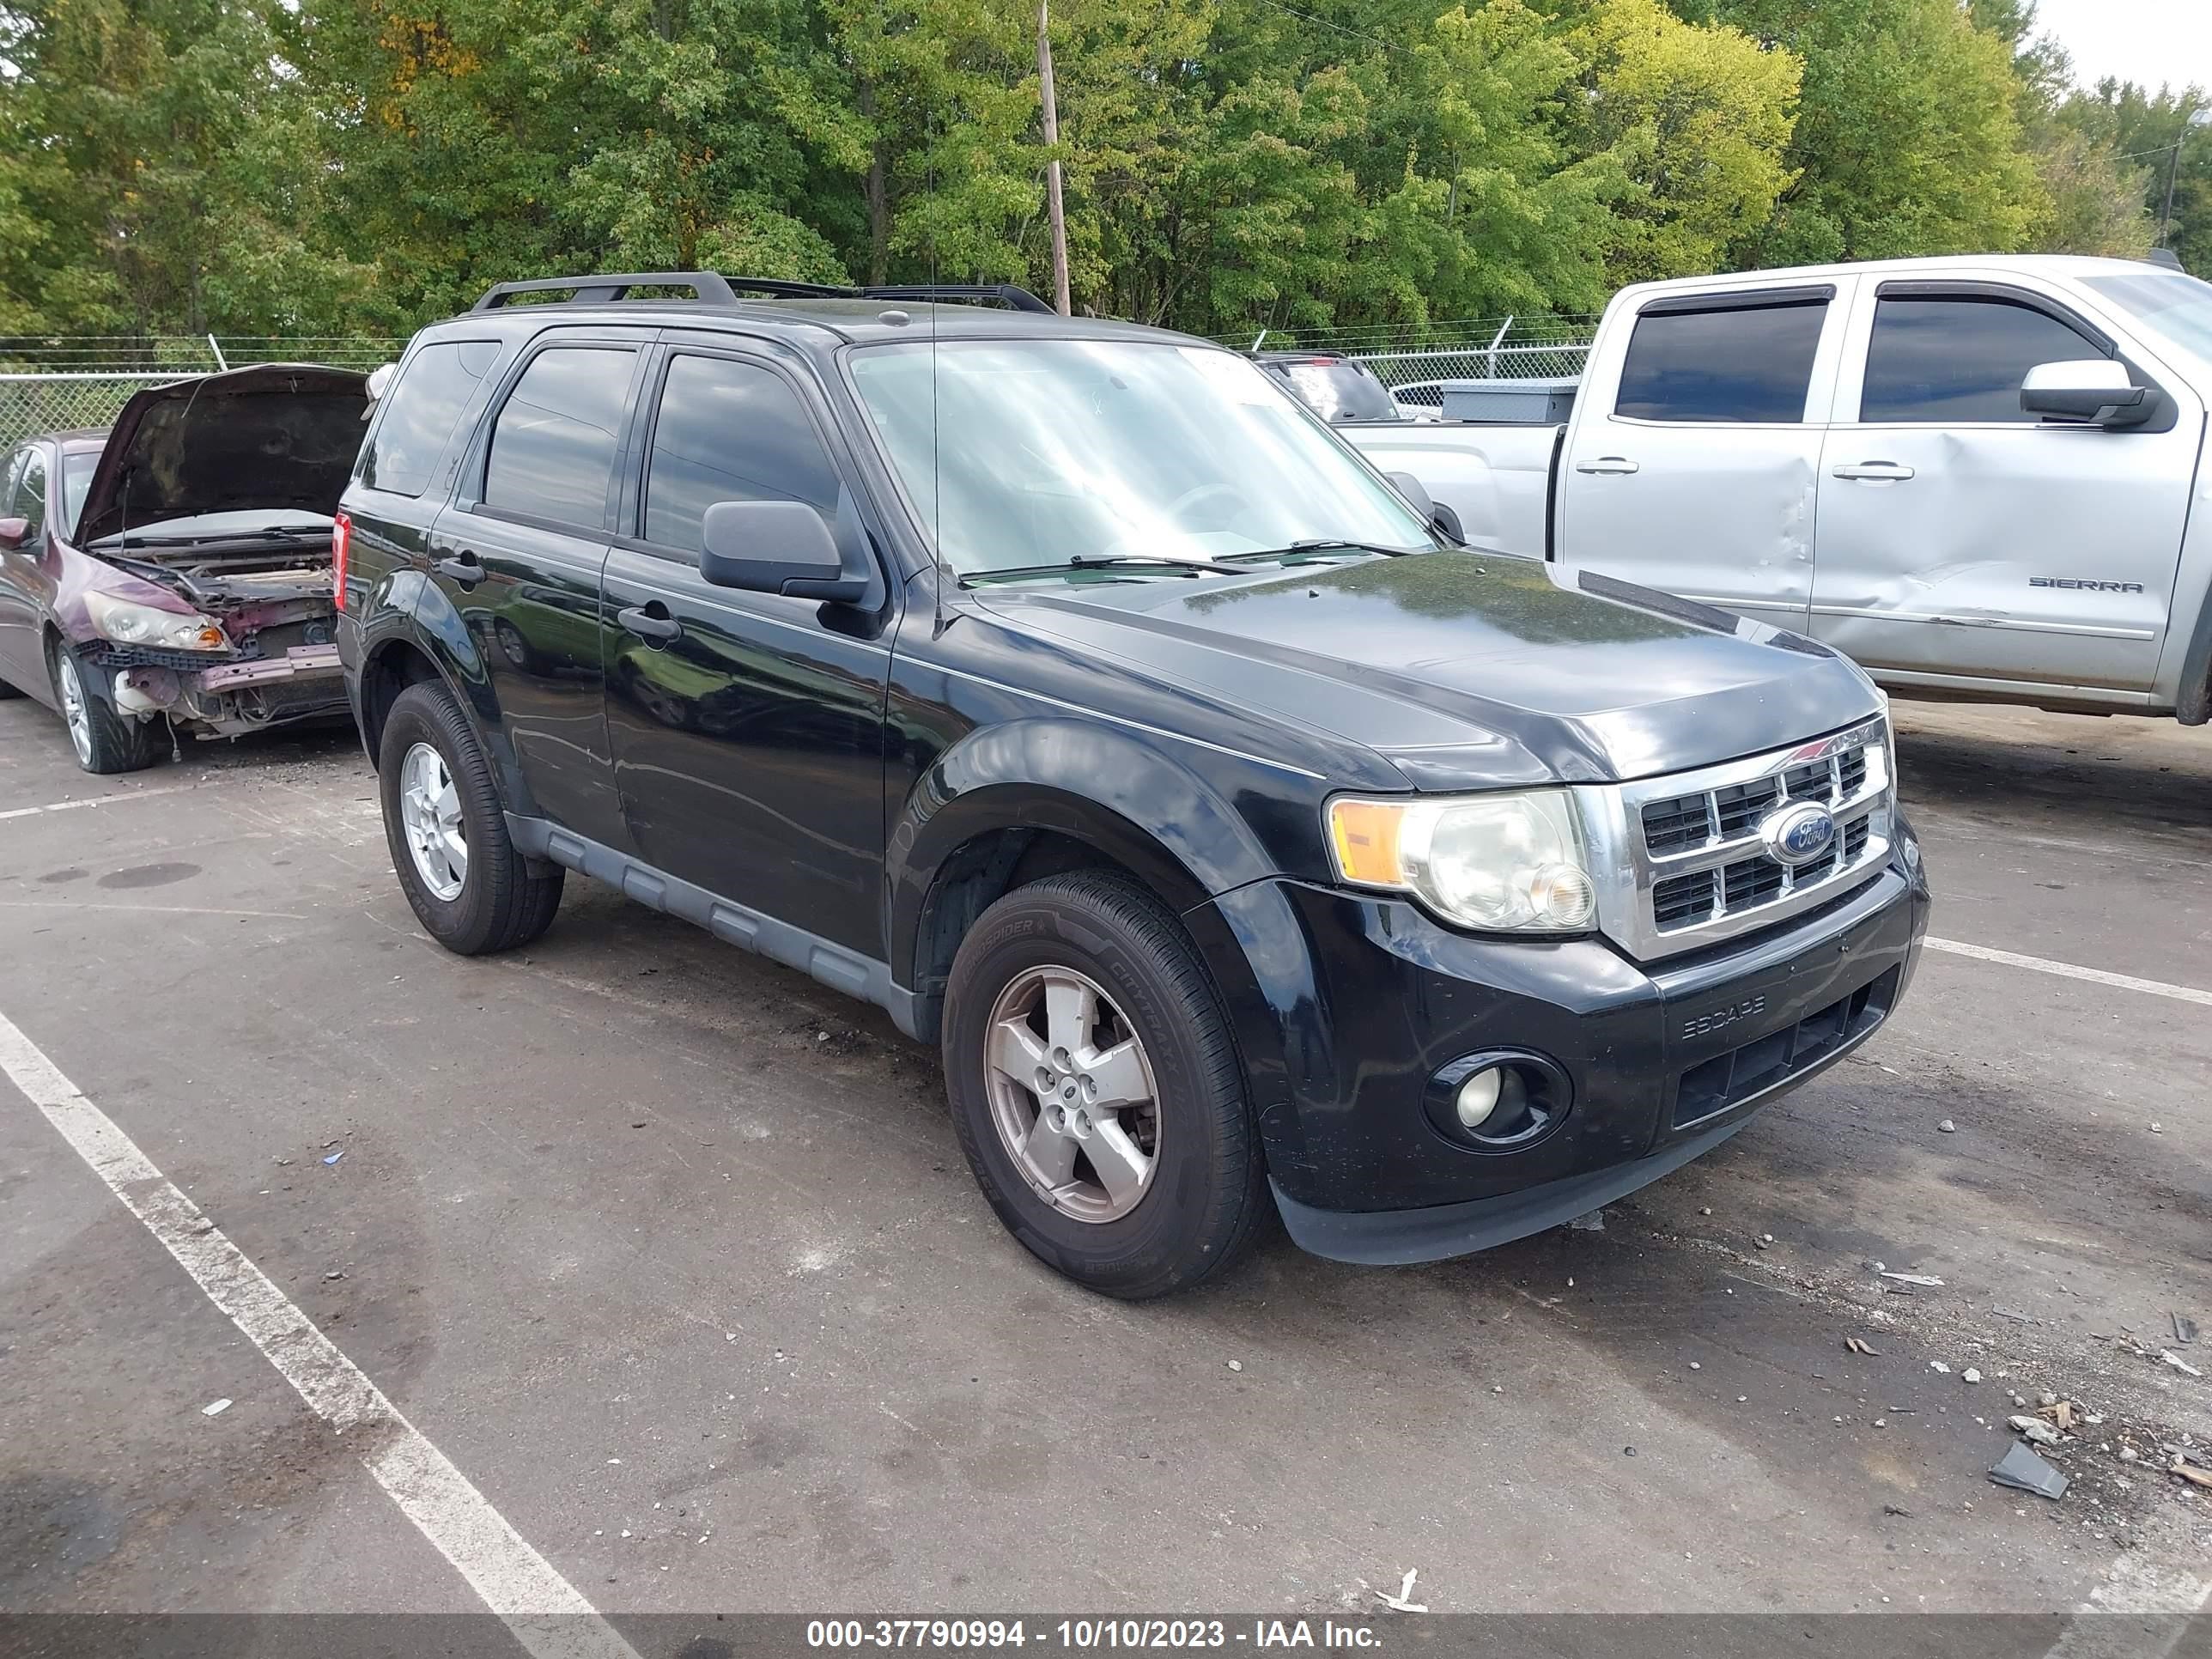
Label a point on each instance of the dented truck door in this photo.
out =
(1962, 539)
(1694, 465)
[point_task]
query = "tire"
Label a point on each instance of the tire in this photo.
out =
(1202, 1200)
(496, 902)
(105, 741)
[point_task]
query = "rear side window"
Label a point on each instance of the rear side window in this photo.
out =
(1959, 360)
(553, 445)
(1742, 364)
(729, 432)
(421, 411)
(31, 490)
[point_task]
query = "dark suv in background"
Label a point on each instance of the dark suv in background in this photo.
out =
(1069, 690)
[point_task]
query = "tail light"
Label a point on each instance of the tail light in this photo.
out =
(341, 544)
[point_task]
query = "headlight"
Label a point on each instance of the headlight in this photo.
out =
(1505, 863)
(128, 622)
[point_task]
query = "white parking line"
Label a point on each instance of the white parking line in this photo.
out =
(97, 800)
(2067, 971)
(546, 1613)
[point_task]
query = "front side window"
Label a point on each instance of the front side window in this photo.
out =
(77, 480)
(420, 412)
(1959, 361)
(2167, 302)
(1739, 364)
(729, 432)
(31, 492)
(1021, 452)
(553, 445)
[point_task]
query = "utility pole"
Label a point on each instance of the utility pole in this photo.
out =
(1053, 206)
(2191, 121)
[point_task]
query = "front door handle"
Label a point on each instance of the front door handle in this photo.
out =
(1875, 471)
(650, 622)
(1607, 464)
(462, 567)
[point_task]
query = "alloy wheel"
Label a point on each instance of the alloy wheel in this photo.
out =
(430, 812)
(1072, 1094)
(75, 710)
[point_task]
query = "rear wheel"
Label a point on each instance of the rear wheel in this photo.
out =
(1097, 1090)
(106, 740)
(468, 887)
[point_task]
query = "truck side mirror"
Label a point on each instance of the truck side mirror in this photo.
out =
(2093, 390)
(13, 532)
(1418, 497)
(775, 547)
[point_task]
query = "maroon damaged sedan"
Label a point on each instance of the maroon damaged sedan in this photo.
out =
(171, 576)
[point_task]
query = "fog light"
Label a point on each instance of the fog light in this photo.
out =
(1478, 1095)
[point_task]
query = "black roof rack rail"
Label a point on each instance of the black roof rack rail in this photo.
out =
(713, 288)
(597, 288)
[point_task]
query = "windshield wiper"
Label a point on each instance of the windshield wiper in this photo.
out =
(1085, 561)
(1297, 552)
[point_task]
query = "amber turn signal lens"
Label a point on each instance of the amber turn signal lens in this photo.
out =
(1366, 833)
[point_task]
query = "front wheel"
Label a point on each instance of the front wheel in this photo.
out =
(106, 741)
(469, 888)
(1097, 1090)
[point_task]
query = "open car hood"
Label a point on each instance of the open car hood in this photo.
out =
(279, 437)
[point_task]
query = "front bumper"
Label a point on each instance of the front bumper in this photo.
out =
(244, 695)
(1352, 1003)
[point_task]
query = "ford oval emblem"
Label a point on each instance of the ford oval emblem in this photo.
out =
(1798, 832)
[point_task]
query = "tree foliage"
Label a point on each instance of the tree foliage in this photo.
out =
(310, 166)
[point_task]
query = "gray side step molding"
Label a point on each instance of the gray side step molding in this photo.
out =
(833, 965)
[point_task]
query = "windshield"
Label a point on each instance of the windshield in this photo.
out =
(1052, 450)
(2167, 302)
(77, 478)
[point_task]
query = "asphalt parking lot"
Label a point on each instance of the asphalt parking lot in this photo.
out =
(671, 1255)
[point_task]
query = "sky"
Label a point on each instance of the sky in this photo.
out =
(2147, 41)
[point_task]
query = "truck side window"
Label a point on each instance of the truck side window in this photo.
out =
(419, 413)
(729, 432)
(1738, 364)
(553, 445)
(31, 491)
(1959, 360)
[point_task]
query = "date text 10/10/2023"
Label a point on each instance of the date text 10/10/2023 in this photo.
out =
(1084, 1635)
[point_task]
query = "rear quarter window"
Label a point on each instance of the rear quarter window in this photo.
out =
(420, 412)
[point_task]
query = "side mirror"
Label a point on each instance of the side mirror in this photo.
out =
(379, 380)
(775, 547)
(2094, 389)
(1417, 495)
(13, 532)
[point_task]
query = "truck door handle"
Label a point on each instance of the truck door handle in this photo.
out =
(462, 567)
(1607, 464)
(650, 622)
(1876, 471)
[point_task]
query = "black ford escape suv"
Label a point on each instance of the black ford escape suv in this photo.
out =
(1069, 690)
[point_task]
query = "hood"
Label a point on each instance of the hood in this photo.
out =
(1470, 670)
(278, 438)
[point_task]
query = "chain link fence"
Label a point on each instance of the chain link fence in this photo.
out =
(63, 383)
(1414, 361)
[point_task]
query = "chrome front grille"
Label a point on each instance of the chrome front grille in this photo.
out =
(1692, 866)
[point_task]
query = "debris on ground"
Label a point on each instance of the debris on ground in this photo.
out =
(2190, 1472)
(1235, 1364)
(1970, 1374)
(1858, 1346)
(2013, 1314)
(2024, 1471)
(2167, 1356)
(1928, 1279)
(1896, 1509)
(214, 1408)
(1938, 1365)
(1765, 1239)
(2035, 1429)
(1403, 1600)
(2061, 1413)
(335, 1272)
(1946, 1127)
(2184, 1329)
(335, 1156)
(1592, 1221)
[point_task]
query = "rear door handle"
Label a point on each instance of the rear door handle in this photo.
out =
(462, 567)
(1607, 464)
(1875, 471)
(650, 622)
